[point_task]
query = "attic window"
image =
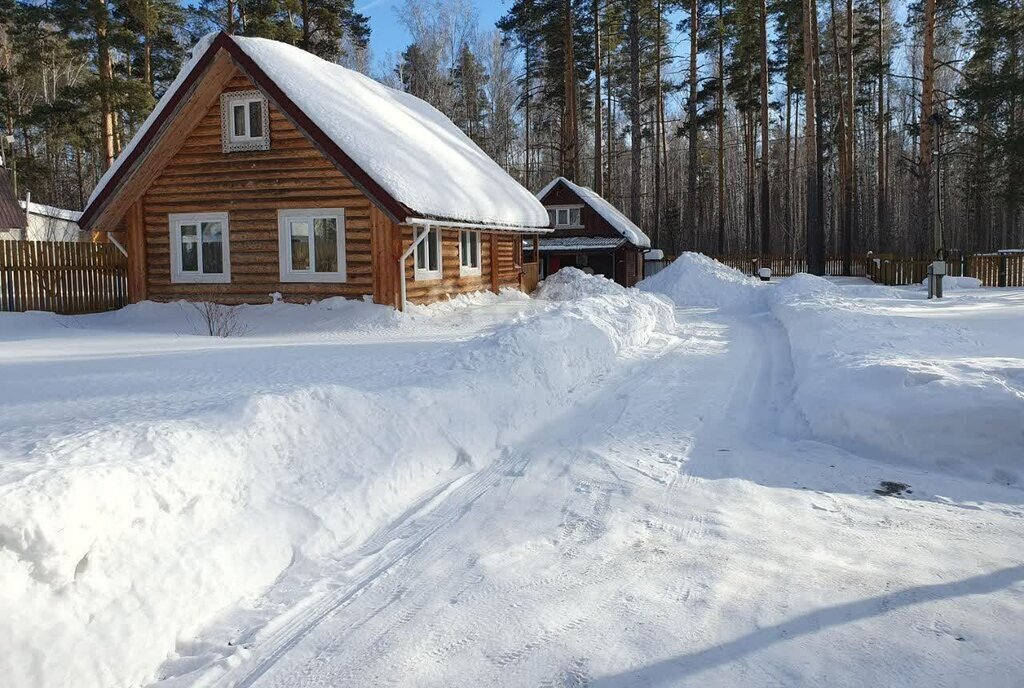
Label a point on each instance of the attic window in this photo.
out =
(245, 122)
(565, 216)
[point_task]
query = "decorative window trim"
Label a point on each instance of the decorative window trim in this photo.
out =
(423, 274)
(470, 270)
(228, 143)
(178, 276)
(567, 209)
(285, 245)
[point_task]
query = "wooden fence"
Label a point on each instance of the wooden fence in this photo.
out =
(999, 270)
(62, 276)
(787, 265)
(994, 270)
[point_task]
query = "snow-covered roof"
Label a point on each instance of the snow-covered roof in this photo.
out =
(577, 243)
(612, 215)
(406, 147)
(52, 211)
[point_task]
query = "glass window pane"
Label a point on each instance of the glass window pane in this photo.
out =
(325, 235)
(433, 240)
(421, 255)
(298, 231)
(551, 216)
(255, 119)
(474, 247)
(189, 249)
(574, 216)
(213, 248)
(464, 248)
(238, 112)
(563, 217)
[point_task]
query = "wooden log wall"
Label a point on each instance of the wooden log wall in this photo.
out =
(451, 283)
(62, 277)
(251, 187)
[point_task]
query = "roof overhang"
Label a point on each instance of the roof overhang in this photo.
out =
(476, 226)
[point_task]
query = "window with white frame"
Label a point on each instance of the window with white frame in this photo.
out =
(200, 250)
(469, 253)
(567, 216)
(245, 122)
(312, 245)
(428, 254)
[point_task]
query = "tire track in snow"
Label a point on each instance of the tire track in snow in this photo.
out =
(406, 535)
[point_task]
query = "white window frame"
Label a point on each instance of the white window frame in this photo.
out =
(232, 143)
(285, 245)
(419, 273)
(567, 209)
(469, 270)
(178, 276)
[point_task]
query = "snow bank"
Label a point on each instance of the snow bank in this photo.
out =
(119, 541)
(571, 284)
(694, 280)
(904, 380)
(952, 282)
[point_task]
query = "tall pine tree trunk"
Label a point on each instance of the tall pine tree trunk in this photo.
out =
(633, 29)
(106, 74)
(691, 116)
(814, 227)
(720, 244)
(765, 243)
(926, 204)
(598, 165)
(881, 171)
(569, 162)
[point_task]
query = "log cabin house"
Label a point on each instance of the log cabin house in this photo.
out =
(266, 169)
(590, 234)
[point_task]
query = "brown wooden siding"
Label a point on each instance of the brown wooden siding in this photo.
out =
(450, 283)
(251, 187)
(593, 224)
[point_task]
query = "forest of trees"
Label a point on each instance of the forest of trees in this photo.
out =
(726, 126)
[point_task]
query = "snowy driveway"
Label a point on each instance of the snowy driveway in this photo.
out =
(511, 493)
(668, 532)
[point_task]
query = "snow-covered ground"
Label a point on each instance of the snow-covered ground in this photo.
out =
(584, 488)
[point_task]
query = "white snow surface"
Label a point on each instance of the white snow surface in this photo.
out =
(954, 282)
(174, 484)
(694, 280)
(411, 149)
(615, 217)
(579, 489)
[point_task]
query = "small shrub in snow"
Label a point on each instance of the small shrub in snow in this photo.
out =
(219, 320)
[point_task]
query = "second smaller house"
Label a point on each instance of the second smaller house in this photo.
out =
(590, 234)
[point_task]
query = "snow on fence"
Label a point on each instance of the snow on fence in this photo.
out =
(64, 277)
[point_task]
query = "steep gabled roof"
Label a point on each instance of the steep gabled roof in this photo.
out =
(612, 215)
(11, 214)
(406, 155)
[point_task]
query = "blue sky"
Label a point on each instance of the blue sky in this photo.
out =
(389, 36)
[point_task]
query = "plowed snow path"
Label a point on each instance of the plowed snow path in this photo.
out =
(674, 529)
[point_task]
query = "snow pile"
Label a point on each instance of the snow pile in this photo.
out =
(119, 540)
(694, 280)
(906, 380)
(952, 282)
(571, 284)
